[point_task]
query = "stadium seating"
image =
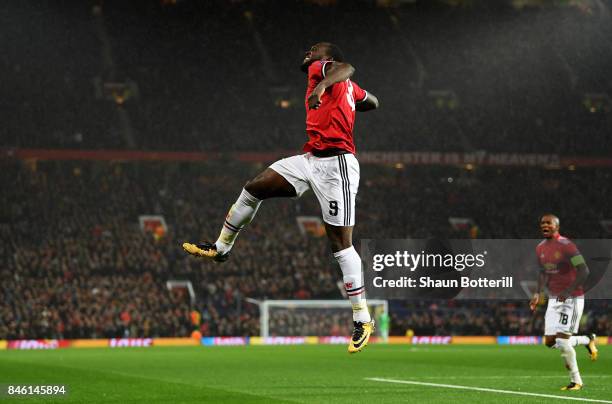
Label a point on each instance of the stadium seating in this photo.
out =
(210, 76)
(75, 263)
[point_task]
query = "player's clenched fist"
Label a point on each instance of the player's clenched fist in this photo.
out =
(314, 99)
(533, 303)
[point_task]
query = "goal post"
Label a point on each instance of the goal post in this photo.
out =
(315, 317)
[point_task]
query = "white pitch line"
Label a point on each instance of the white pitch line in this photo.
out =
(512, 377)
(454, 386)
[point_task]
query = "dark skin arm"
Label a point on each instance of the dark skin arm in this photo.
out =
(335, 73)
(370, 103)
(582, 273)
(542, 280)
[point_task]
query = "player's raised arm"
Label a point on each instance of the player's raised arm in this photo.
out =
(334, 72)
(369, 103)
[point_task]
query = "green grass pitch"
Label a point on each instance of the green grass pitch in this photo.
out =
(305, 374)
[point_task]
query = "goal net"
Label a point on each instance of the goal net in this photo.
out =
(315, 317)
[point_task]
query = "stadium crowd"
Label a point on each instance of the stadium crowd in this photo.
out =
(486, 318)
(75, 263)
(483, 77)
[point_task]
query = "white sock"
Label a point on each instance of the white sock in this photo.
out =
(240, 214)
(569, 355)
(350, 264)
(579, 340)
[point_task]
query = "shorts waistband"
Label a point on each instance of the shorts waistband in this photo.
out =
(329, 152)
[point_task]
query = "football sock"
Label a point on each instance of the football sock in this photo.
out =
(350, 264)
(240, 214)
(579, 340)
(569, 355)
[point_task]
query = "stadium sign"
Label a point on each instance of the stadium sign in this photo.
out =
(370, 157)
(215, 341)
(130, 342)
(458, 158)
(519, 340)
(334, 340)
(284, 341)
(37, 344)
(432, 340)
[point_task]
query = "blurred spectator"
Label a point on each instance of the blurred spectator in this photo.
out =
(74, 262)
(212, 76)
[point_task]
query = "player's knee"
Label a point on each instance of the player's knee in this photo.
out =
(338, 239)
(562, 344)
(334, 241)
(340, 244)
(253, 188)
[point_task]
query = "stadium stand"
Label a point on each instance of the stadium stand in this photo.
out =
(212, 76)
(223, 77)
(76, 264)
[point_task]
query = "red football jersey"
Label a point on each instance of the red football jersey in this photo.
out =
(554, 256)
(331, 126)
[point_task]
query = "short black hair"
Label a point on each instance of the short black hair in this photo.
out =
(334, 51)
(555, 218)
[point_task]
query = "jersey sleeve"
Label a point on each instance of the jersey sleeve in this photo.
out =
(570, 249)
(316, 70)
(573, 254)
(359, 94)
(538, 251)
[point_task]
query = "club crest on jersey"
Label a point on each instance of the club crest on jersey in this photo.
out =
(557, 255)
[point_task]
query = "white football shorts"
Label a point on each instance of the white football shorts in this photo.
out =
(334, 180)
(563, 317)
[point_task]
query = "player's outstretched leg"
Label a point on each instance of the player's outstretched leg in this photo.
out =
(350, 264)
(268, 184)
(569, 356)
(240, 214)
(589, 342)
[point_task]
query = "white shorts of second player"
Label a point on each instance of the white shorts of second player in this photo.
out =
(334, 181)
(563, 317)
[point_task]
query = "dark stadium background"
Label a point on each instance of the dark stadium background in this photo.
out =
(115, 109)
